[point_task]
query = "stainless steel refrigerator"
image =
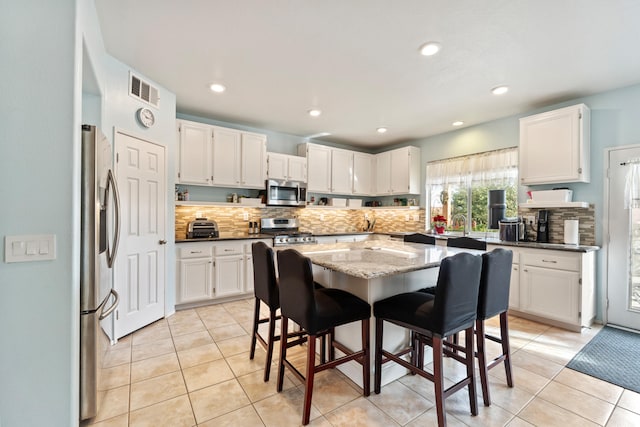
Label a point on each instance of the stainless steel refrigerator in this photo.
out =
(100, 233)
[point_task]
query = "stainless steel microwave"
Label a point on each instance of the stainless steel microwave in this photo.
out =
(286, 193)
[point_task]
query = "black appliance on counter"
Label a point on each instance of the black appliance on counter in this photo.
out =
(497, 206)
(543, 226)
(286, 231)
(512, 230)
(202, 228)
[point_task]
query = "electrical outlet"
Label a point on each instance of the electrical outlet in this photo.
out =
(321, 217)
(406, 217)
(416, 217)
(199, 214)
(366, 215)
(530, 219)
(245, 216)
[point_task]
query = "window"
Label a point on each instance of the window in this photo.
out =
(458, 188)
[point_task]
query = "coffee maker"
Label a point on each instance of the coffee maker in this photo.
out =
(543, 226)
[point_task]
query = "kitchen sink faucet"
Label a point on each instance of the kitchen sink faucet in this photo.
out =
(455, 222)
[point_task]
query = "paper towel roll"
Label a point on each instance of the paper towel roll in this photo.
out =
(571, 236)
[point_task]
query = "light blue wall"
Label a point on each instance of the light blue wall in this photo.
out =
(41, 109)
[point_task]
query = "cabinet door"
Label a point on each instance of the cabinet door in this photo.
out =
(195, 153)
(226, 157)
(341, 171)
(248, 273)
(277, 166)
(554, 147)
(229, 275)
(362, 174)
(297, 167)
(318, 168)
(400, 171)
(254, 160)
(383, 178)
(550, 293)
(195, 280)
(514, 289)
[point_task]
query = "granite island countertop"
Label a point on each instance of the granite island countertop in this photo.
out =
(376, 258)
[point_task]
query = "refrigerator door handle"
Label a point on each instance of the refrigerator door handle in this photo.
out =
(111, 184)
(107, 312)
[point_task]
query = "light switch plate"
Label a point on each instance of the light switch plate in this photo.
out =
(29, 247)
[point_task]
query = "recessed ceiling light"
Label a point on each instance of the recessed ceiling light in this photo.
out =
(382, 130)
(457, 123)
(314, 112)
(430, 48)
(217, 88)
(500, 90)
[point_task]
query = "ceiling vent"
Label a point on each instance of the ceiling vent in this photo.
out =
(142, 90)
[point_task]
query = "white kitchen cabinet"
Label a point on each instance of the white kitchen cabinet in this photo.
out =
(555, 146)
(239, 159)
(286, 167)
(398, 171)
(363, 167)
(341, 171)
(556, 287)
(194, 165)
(194, 273)
(228, 261)
(318, 167)
(221, 157)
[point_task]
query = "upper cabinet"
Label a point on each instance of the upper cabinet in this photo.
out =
(221, 157)
(286, 167)
(398, 171)
(339, 171)
(363, 167)
(554, 146)
(318, 167)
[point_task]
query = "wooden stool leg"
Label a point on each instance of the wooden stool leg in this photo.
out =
(332, 350)
(377, 379)
(366, 358)
(283, 352)
(438, 380)
(506, 347)
(482, 362)
(470, 361)
(270, 340)
(256, 318)
(308, 385)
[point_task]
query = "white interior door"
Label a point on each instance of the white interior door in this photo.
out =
(140, 265)
(623, 250)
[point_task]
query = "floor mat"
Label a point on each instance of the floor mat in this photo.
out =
(613, 355)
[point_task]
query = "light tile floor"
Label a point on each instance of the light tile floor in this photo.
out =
(193, 368)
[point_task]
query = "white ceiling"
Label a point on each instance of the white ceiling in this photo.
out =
(358, 60)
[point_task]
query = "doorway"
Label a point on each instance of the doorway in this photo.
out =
(623, 249)
(140, 266)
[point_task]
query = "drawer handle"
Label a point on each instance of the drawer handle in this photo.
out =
(550, 260)
(229, 250)
(196, 252)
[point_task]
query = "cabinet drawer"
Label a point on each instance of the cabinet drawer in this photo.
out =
(231, 248)
(199, 251)
(552, 259)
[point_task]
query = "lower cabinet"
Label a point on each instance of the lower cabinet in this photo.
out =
(556, 287)
(207, 271)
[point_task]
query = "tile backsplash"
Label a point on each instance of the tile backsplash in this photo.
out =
(586, 222)
(315, 220)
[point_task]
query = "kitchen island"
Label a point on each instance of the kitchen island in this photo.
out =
(374, 270)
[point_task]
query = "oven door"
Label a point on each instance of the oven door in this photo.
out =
(286, 193)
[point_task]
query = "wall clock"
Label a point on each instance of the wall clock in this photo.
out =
(146, 117)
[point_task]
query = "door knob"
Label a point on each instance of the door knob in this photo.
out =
(162, 242)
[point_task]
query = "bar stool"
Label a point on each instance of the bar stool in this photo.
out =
(466, 243)
(318, 311)
(420, 238)
(493, 300)
(434, 318)
(266, 290)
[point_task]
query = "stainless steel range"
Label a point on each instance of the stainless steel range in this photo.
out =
(286, 231)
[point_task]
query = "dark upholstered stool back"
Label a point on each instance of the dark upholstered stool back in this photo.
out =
(297, 296)
(264, 275)
(494, 284)
(467, 243)
(420, 238)
(456, 297)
